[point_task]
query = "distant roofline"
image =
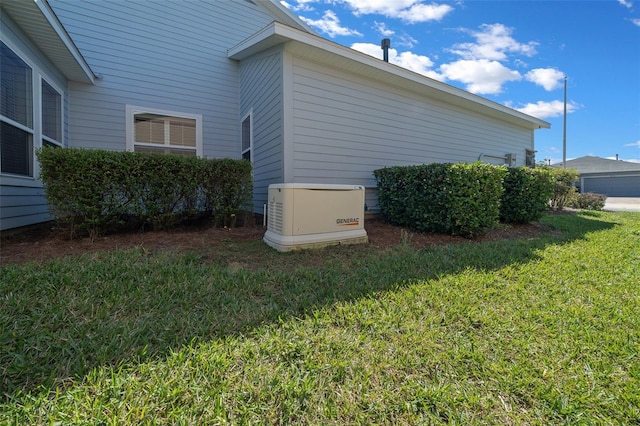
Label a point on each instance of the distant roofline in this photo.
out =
(592, 164)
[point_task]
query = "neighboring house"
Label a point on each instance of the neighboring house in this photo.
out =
(612, 178)
(225, 78)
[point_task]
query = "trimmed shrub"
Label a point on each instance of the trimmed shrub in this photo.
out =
(526, 194)
(459, 199)
(564, 190)
(473, 199)
(227, 190)
(404, 190)
(95, 191)
(588, 201)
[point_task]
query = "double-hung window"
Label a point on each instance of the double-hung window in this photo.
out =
(247, 137)
(51, 115)
(16, 113)
(165, 132)
(23, 127)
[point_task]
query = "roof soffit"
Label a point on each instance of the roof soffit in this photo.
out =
(39, 22)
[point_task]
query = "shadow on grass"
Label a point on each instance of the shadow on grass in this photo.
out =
(62, 319)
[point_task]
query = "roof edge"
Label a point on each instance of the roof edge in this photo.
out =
(66, 39)
(282, 12)
(277, 33)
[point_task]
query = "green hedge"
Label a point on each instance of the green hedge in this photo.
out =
(564, 191)
(95, 191)
(526, 194)
(459, 199)
(588, 201)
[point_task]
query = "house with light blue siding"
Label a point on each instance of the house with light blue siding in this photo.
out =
(225, 78)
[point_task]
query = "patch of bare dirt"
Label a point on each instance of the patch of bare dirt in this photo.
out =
(44, 242)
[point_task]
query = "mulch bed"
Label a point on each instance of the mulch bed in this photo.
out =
(43, 242)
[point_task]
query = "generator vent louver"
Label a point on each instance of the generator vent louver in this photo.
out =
(275, 216)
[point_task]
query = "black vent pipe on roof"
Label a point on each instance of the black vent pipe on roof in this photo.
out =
(385, 45)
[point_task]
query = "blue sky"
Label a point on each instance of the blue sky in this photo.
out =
(516, 53)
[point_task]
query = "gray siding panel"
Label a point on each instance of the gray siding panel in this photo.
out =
(261, 92)
(169, 55)
(345, 127)
(21, 206)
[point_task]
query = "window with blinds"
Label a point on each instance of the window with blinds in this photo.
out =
(164, 134)
(51, 115)
(16, 114)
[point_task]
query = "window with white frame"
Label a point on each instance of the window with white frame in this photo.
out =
(165, 132)
(51, 115)
(23, 87)
(247, 137)
(16, 114)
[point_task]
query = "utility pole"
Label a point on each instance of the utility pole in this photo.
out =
(564, 129)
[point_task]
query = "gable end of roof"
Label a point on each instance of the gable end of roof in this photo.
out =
(40, 23)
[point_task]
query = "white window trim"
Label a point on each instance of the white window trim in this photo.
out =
(131, 110)
(250, 149)
(37, 75)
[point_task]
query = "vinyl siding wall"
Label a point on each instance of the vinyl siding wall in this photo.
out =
(22, 200)
(169, 55)
(261, 93)
(345, 127)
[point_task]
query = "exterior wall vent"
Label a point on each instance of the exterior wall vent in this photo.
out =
(274, 213)
(302, 216)
(385, 44)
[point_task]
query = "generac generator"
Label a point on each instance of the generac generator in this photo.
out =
(307, 215)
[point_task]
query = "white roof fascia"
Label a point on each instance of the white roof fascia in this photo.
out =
(39, 21)
(271, 35)
(277, 33)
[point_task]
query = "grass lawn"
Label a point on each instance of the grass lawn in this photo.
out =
(532, 331)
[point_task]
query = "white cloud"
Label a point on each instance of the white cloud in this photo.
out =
(544, 110)
(636, 22)
(410, 11)
(549, 78)
(416, 63)
(381, 27)
(480, 76)
(493, 42)
(480, 68)
(330, 25)
(405, 40)
(424, 13)
(633, 144)
(372, 50)
(300, 6)
(626, 3)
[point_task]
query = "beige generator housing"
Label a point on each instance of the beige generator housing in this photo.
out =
(307, 215)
